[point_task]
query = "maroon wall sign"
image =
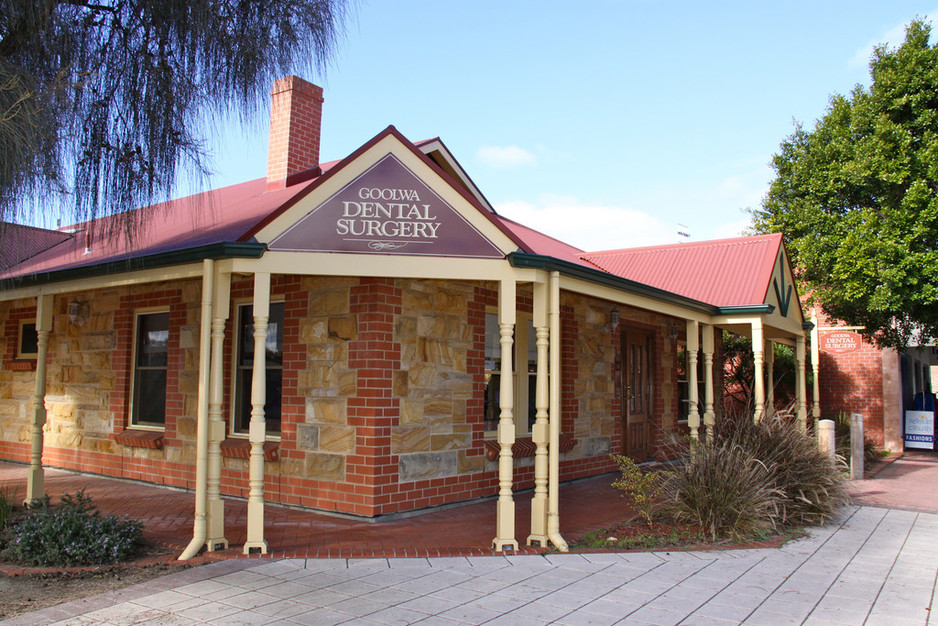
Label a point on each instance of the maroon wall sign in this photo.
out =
(387, 210)
(840, 342)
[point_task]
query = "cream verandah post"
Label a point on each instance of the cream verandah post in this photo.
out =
(35, 480)
(758, 374)
(540, 432)
(505, 508)
(693, 410)
(257, 432)
(216, 423)
(707, 345)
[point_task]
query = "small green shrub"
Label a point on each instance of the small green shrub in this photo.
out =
(72, 533)
(643, 489)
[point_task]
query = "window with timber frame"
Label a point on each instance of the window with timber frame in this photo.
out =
(244, 368)
(525, 378)
(151, 347)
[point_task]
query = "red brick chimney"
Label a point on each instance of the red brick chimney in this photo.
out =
(295, 121)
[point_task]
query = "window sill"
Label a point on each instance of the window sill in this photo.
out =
(21, 365)
(151, 439)
(241, 449)
(523, 447)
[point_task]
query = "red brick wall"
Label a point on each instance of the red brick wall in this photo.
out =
(371, 485)
(853, 383)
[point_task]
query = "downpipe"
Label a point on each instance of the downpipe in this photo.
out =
(200, 524)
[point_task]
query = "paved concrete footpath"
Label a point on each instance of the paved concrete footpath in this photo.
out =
(872, 566)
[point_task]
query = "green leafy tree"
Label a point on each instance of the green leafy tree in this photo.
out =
(857, 198)
(738, 371)
(103, 101)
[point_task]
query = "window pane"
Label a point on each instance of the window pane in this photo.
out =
(492, 408)
(272, 408)
(150, 397)
(274, 343)
(493, 347)
(29, 339)
(274, 362)
(152, 339)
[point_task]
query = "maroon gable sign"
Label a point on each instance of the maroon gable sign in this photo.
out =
(387, 210)
(841, 342)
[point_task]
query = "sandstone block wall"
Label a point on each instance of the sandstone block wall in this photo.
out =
(383, 387)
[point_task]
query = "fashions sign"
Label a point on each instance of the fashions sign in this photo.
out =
(387, 210)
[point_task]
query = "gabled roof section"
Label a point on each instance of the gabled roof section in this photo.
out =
(318, 209)
(24, 242)
(437, 151)
(722, 272)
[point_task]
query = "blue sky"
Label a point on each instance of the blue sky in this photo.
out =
(604, 123)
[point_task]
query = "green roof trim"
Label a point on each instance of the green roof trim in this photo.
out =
(568, 268)
(747, 309)
(223, 250)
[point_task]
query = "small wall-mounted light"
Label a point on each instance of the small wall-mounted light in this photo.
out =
(672, 332)
(76, 312)
(614, 317)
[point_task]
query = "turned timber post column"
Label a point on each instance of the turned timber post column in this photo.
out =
(816, 369)
(540, 432)
(801, 385)
(770, 378)
(257, 432)
(553, 474)
(216, 423)
(707, 345)
(758, 373)
(505, 511)
(35, 484)
(693, 410)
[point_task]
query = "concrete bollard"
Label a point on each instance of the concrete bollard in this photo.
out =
(856, 446)
(827, 440)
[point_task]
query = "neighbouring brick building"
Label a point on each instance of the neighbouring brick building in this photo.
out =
(881, 384)
(366, 336)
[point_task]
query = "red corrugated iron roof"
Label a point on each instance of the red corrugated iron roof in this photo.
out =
(24, 242)
(539, 243)
(715, 272)
(219, 215)
(722, 272)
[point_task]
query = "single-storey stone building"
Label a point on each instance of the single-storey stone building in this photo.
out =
(366, 336)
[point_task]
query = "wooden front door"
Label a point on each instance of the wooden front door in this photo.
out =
(636, 386)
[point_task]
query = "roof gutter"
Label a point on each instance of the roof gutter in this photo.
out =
(214, 251)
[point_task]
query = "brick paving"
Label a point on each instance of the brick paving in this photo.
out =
(464, 529)
(909, 483)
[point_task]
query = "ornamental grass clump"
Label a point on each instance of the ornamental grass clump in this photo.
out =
(724, 491)
(811, 487)
(72, 533)
(754, 478)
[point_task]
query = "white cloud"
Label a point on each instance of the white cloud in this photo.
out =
(505, 156)
(587, 226)
(731, 229)
(891, 38)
